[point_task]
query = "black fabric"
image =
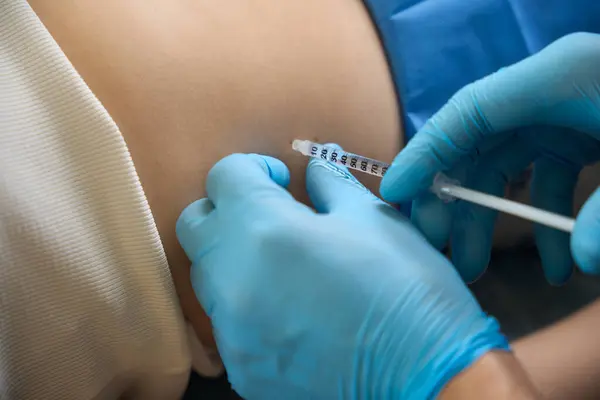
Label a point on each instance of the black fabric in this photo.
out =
(200, 388)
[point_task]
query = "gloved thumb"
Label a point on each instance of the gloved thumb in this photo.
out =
(585, 240)
(332, 187)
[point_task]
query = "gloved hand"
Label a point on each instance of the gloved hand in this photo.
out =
(350, 301)
(544, 109)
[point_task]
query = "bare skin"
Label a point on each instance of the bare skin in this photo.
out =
(564, 359)
(189, 82)
(495, 376)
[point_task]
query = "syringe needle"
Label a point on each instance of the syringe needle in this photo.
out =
(443, 187)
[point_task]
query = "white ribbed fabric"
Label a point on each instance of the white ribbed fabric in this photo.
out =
(87, 306)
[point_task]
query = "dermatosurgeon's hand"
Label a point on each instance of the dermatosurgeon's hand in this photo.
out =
(545, 110)
(349, 301)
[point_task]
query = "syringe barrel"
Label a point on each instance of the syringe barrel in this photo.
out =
(343, 158)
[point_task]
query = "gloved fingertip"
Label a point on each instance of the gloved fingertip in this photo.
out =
(559, 279)
(330, 185)
(317, 162)
(189, 219)
(192, 214)
(414, 168)
(472, 275)
(403, 183)
(586, 252)
(433, 219)
(471, 255)
(276, 169)
(471, 239)
(337, 147)
(553, 248)
(585, 242)
(388, 187)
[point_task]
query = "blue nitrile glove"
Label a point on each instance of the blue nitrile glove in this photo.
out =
(346, 302)
(546, 110)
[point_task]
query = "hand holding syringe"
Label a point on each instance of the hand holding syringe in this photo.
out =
(443, 187)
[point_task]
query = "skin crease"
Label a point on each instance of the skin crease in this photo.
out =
(189, 82)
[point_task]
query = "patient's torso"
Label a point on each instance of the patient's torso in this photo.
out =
(189, 82)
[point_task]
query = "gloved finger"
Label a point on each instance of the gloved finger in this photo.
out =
(552, 189)
(332, 187)
(505, 100)
(236, 177)
(200, 230)
(243, 178)
(433, 218)
(205, 275)
(585, 239)
(197, 235)
(473, 228)
(189, 227)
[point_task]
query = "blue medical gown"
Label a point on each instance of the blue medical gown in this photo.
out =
(435, 47)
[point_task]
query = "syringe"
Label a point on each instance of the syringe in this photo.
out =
(445, 188)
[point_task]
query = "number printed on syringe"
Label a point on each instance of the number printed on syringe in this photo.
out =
(350, 160)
